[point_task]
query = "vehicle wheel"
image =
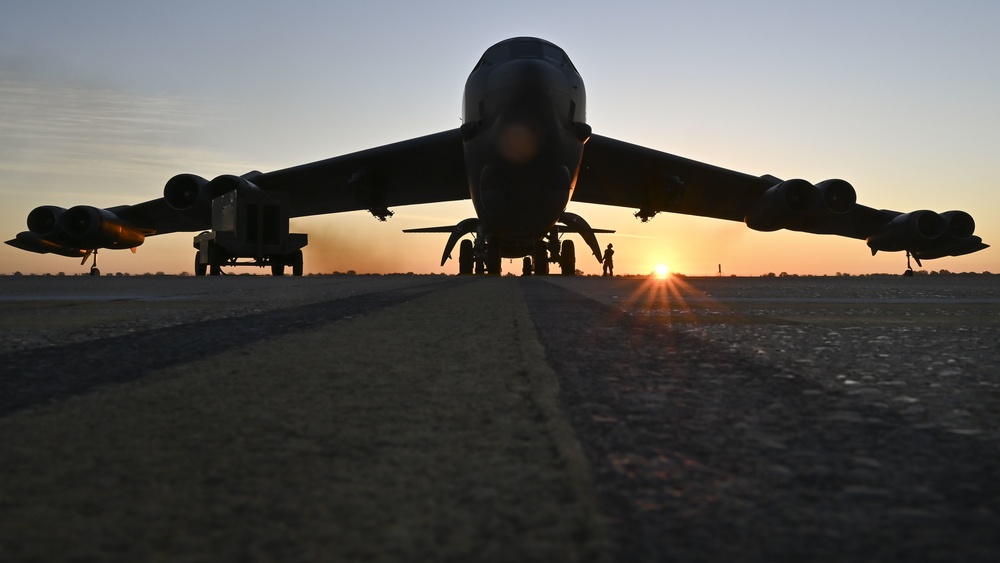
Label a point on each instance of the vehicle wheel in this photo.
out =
(466, 260)
(200, 269)
(277, 265)
(215, 260)
(526, 266)
(297, 263)
(94, 271)
(567, 258)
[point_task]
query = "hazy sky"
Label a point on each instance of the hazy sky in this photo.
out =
(102, 101)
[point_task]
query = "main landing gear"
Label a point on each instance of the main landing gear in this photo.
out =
(563, 254)
(485, 258)
(476, 258)
(466, 258)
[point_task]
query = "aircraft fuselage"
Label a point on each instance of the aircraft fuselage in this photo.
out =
(524, 131)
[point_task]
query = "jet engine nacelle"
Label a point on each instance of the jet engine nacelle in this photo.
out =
(956, 240)
(192, 195)
(838, 196)
(183, 192)
(44, 220)
(99, 228)
(782, 205)
(958, 224)
(914, 230)
(229, 183)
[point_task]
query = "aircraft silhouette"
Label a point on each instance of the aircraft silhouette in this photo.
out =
(523, 151)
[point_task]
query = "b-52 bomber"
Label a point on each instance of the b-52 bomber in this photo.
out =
(523, 151)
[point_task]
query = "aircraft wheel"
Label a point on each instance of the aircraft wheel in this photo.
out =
(540, 258)
(526, 266)
(466, 260)
(297, 263)
(567, 258)
(493, 260)
(277, 265)
(94, 271)
(908, 274)
(200, 269)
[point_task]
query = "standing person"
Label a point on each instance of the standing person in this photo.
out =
(609, 263)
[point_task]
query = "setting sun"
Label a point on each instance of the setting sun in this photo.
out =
(661, 270)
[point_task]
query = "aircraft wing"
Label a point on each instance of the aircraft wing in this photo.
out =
(626, 175)
(426, 169)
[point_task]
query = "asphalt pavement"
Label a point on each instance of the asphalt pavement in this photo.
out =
(387, 418)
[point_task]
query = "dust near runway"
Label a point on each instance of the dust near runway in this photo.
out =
(427, 417)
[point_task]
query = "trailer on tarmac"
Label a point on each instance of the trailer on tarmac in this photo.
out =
(249, 228)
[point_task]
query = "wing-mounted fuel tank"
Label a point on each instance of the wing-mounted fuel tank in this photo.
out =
(791, 203)
(27, 240)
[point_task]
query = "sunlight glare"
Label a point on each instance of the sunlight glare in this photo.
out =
(662, 270)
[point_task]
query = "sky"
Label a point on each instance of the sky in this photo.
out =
(101, 102)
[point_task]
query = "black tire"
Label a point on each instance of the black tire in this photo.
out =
(297, 263)
(526, 266)
(466, 259)
(200, 269)
(493, 259)
(215, 260)
(94, 271)
(567, 258)
(277, 265)
(540, 258)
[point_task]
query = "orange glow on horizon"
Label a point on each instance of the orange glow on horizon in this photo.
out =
(665, 292)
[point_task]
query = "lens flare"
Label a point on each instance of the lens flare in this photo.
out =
(661, 270)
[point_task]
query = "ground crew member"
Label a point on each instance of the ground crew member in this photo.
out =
(609, 263)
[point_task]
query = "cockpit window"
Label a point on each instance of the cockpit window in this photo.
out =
(524, 49)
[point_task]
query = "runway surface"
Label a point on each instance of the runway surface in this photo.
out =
(386, 418)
